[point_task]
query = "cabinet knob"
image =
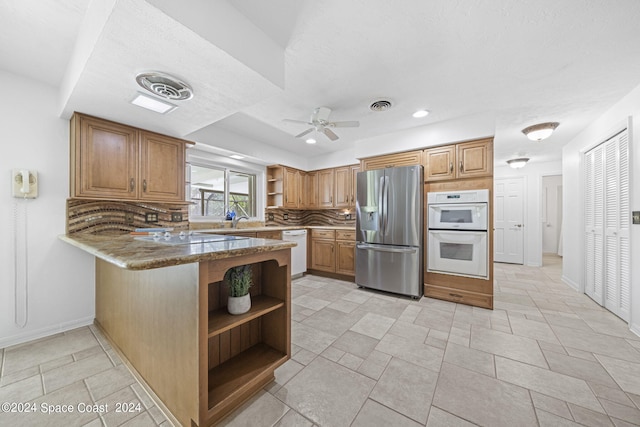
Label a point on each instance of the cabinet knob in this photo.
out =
(450, 166)
(461, 168)
(132, 184)
(144, 185)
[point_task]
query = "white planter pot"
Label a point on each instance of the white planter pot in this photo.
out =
(239, 305)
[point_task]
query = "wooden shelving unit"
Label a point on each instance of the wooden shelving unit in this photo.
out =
(275, 186)
(239, 353)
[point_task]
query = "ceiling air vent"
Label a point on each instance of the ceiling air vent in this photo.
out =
(380, 105)
(164, 86)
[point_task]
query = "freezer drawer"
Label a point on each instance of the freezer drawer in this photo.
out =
(389, 268)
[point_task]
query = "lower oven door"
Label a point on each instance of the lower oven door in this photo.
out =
(461, 253)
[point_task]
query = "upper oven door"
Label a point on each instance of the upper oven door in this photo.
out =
(463, 216)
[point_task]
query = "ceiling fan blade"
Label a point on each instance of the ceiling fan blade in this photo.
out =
(332, 136)
(320, 114)
(353, 124)
(304, 133)
(296, 121)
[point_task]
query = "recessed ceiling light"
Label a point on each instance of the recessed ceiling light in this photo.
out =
(236, 156)
(310, 141)
(420, 113)
(152, 104)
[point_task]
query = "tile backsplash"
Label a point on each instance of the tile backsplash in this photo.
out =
(310, 217)
(118, 217)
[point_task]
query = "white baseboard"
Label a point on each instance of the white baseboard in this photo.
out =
(44, 332)
(571, 283)
(635, 329)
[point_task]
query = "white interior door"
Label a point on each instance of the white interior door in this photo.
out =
(508, 218)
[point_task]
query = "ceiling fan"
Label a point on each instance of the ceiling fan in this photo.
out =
(319, 122)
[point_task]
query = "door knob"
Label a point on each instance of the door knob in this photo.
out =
(518, 225)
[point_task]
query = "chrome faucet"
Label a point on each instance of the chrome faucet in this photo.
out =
(236, 220)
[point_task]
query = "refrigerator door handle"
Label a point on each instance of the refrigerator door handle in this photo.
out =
(386, 203)
(381, 206)
(382, 248)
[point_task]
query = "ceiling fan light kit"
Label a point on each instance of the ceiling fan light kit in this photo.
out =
(540, 131)
(319, 121)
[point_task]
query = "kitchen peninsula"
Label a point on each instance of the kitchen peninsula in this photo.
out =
(163, 307)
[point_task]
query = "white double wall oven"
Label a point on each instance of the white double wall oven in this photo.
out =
(458, 241)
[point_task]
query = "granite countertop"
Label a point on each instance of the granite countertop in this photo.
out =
(127, 252)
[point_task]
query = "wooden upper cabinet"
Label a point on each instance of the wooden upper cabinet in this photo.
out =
(114, 161)
(311, 190)
(354, 181)
(162, 167)
(464, 160)
(408, 158)
(475, 158)
(325, 188)
(104, 159)
(440, 163)
(342, 186)
(291, 192)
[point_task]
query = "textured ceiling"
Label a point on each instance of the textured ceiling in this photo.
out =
(480, 67)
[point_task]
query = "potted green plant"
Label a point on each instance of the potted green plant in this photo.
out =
(239, 280)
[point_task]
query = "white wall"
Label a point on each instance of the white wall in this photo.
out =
(599, 131)
(60, 277)
(533, 173)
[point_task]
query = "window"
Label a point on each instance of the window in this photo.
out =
(216, 190)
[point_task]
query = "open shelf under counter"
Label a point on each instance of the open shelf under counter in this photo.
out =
(221, 321)
(242, 372)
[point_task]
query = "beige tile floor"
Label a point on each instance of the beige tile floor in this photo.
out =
(545, 356)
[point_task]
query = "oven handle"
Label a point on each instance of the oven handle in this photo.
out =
(458, 236)
(382, 248)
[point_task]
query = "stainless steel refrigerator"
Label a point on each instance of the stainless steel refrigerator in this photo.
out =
(389, 230)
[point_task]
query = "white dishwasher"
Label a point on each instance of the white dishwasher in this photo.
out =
(298, 253)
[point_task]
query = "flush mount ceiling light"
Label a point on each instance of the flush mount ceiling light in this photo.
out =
(420, 113)
(236, 156)
(540, 131)
(518, 163)
(153, 104)
(164, 86)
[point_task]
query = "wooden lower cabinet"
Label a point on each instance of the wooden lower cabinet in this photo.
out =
(456, 295)
(333, 251)
(172, 327)
(323, 255)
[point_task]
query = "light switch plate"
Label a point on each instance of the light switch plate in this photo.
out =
(151, 217)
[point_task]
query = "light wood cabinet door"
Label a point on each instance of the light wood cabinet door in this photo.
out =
(301, 177)
(290, 188)
(161, 168)
(345, 257)
(440, 163)
(408, 158)
(354, 180)
(325, 188)
(342, 186)
(311, 190)
(104, 159)
(475, 158)
(323, 255)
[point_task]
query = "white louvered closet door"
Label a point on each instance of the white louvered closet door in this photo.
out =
(607, 221)
(594, 204)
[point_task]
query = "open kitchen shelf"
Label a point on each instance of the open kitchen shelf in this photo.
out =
(221, 321)
(252, 366)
